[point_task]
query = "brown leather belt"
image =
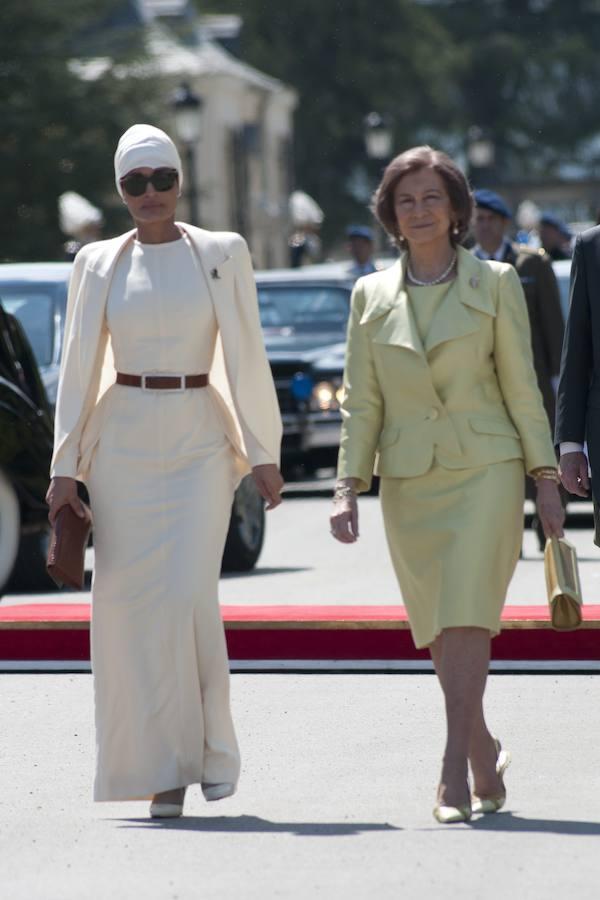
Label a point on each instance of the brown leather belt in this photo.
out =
(151, 382)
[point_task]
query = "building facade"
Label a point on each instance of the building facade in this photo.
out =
(239, 165)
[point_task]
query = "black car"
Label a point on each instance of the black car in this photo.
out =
(304, 315)
(25, 452)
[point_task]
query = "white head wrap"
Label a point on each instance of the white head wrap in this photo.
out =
(145, 145)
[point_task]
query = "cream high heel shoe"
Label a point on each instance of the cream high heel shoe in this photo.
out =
(217, 791)
(170, 810)
(450, 815)
(496, 801)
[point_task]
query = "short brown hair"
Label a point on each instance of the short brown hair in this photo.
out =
(455, 182)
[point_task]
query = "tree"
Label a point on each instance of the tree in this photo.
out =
(58, 130)
(528, 74)
(347, 58)
(525, 72)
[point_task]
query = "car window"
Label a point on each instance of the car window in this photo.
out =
(34, 306)
(299, 308)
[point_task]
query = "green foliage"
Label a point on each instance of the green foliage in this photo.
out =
(346, 58)
(58, 131)
(529, 75)
(527, 72)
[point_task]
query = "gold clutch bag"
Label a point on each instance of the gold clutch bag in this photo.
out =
(563, 584)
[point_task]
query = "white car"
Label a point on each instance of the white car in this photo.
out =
(562, 270)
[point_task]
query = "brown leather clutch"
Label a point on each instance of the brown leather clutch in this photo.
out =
(66, 554)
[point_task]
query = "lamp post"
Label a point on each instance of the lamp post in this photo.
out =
(186, 106)
(481, 155)
(378, 144)
(378, 136)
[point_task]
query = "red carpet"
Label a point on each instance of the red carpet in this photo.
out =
(61, 632)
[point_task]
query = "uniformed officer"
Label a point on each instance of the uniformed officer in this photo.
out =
(360, 247)
(491, 221)
(555, 236)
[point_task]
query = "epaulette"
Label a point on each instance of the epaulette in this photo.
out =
(528, 250)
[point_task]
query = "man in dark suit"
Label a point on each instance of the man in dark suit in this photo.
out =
(534, 266)
(578, 400)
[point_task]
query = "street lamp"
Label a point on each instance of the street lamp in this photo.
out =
(378, 136)
(481, 152)
(378, 144)
(186, 106)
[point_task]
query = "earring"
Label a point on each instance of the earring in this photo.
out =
(455, 230)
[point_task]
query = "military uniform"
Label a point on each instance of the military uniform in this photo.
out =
(545, 316)
(534, 268)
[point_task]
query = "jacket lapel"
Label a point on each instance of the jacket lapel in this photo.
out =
(219, 273)
(390, 302)
(92, 297)
(470, 290)
(214, 260)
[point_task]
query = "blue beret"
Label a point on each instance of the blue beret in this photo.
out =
(360, 231)
(548, 218)
(492, 201)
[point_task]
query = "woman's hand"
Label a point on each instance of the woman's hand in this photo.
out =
(63, 492)
(269, 482)
(549, 508)
(344, 518)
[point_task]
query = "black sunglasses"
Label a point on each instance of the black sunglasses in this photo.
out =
(161, 180)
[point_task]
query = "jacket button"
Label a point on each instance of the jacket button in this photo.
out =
(433, 414)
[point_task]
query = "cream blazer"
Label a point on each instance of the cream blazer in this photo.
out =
(467, 397)
(240, 373)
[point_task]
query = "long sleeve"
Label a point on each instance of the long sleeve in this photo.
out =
(253, 390)
(576, 362)
(362, 408)
(80, 373)
(516, 375)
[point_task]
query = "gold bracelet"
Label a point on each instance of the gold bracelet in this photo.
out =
(546, 474)
(343, 490)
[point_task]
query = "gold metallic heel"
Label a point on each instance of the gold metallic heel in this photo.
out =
(449, 815)
(496, 801)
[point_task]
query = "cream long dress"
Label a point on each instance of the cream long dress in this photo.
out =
(161, 485)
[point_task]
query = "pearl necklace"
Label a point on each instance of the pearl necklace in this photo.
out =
(437, 280)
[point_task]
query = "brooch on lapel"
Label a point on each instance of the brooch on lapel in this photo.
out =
(474, 281)
(215, 274)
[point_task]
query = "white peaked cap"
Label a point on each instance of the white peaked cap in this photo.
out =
(304, 210)
(75, 213)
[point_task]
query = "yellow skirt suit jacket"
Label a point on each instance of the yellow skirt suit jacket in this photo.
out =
(448, 420)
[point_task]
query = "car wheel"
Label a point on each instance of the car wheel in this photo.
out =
(246, 528)
(10, 529)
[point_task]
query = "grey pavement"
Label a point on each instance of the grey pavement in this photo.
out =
(334, 801)
(302, 564)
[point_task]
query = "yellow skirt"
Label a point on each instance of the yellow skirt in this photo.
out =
(454, 538)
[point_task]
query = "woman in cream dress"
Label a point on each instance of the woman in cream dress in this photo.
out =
(441, 397)
(161, 455)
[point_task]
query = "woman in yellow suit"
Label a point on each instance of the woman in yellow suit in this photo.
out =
(441, 400)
